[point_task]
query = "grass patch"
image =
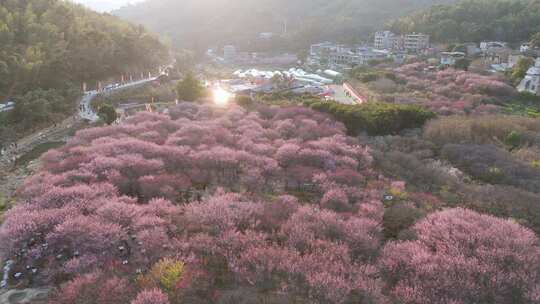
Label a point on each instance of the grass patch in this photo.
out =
(37, 152)
(5, 204)
(525, 104)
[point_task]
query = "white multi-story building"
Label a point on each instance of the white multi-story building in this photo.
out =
(385, 40)
(340, 55)
(415, 42)
(229, 53)
(266, 35)
(531, 82)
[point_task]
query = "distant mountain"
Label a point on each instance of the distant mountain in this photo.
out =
(202, 23)
(105, 5)
(476, 20)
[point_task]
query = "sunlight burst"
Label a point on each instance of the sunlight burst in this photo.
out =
(221, 97)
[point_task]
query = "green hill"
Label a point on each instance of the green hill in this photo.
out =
(46, 43)
(202, 23)
(476, 20)
(48, 48)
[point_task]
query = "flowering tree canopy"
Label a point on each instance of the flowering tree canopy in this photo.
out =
(211, 205)
(461, 256)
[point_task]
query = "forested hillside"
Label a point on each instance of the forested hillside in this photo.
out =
(49, 47)
(476, 20)
(201, 23)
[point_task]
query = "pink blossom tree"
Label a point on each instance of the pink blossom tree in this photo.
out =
(154, 296)
(461, 256)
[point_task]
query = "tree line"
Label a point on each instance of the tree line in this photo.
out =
(296, 24)
(514, 21)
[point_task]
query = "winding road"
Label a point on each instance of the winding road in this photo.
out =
(85, 107)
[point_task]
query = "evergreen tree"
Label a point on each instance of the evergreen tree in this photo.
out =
(189, 88)
(107, 113)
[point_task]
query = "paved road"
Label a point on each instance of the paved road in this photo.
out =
(340, 95)
(60, 130)
(85, 108)
(6, 109)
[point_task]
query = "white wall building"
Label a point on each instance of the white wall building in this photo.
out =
(490, 45)
(320, 49)
(450, 58)
(229, 53)
(415, 42)
(531, 82)
(266, 35)
(385, 40)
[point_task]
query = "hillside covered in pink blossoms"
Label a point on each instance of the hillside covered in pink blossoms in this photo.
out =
(452, 92)
(274, 205)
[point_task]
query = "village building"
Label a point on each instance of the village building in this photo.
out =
(386, 40)
(450, 58)
(229, 53)
(531, 82)
(413, 43)
(340, 56)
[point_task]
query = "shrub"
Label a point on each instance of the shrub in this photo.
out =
(107, 113)
(456, 258)
(399, 217)
(376, 118)
(505, 201)
(244, 101)
(493, 165)
(490, 129)
(165, 274)
(189, 88)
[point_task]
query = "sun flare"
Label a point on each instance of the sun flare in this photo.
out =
(221, 97)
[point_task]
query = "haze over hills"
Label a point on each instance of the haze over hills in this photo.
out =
(105, 5)
(202, 23)
(475, 20)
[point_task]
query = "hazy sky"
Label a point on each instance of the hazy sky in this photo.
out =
(105, 5)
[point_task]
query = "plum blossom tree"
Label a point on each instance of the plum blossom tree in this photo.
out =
(461, 256)
(154, 296)
(452, 91)
(94, 288)
(234, 195)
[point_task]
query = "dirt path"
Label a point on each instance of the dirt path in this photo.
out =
(12, 175)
